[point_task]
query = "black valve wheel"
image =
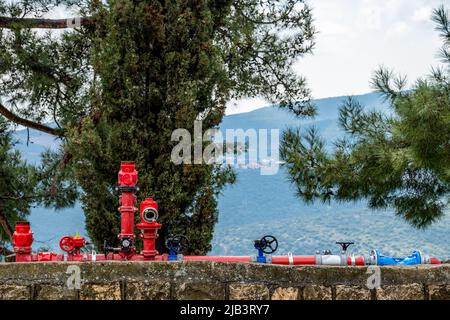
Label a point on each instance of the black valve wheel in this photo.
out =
(344, 245)
(268, 244)
(177, 243)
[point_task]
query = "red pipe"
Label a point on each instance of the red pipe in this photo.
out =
(356, 261)
(435, 261)
(277, 260)
(296, 260)
(219, 258)
(280, 260)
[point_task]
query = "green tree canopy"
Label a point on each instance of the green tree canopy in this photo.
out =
(130, 73)
(23, 185)
(399, 160)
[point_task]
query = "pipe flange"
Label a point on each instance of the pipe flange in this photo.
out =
(290, 258)
(127, 189)
(318, 259)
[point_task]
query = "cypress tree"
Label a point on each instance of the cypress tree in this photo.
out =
(132, 72)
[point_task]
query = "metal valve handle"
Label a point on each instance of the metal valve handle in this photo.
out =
(67, 244)
(344, 245)
(267, 244)
(107, 249)
(177, 243)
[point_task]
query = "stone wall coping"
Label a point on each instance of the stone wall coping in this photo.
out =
(206, 271)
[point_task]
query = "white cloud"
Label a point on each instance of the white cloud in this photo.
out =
(422, 14)
(398, 28)
(244, 105)
(356, 36)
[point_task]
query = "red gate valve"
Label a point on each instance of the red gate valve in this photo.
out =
(72, 245)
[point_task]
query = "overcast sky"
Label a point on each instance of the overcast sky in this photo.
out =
(357, 36)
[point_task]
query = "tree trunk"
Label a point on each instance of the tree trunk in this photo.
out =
(6, 225)
(8, 22)
(29, 124)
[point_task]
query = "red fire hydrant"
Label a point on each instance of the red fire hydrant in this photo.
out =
(23, 240)
(149, 226)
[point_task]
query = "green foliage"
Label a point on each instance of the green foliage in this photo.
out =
(120, 87)
(16, 183)
(398, 161)
(23, 185)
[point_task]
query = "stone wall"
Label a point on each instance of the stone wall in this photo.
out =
(209, 280)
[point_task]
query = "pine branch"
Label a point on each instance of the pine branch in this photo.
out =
(67, 157)
(36, 23)
(28, 123)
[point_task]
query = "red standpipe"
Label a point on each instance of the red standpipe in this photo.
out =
(127, 179)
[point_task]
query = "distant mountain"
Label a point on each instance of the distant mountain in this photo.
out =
(257, 205)
(263, 118)
(276, 118)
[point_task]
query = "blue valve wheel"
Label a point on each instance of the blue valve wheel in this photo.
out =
(267, 244)
(177, 244)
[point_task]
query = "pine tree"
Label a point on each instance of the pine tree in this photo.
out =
(14, 179)
(399, 160)
(23, 185)
(129, 74)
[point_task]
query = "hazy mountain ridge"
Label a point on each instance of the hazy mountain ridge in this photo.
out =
(276, 118)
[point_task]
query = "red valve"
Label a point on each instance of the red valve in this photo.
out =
(72, 245)
(67, 244)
